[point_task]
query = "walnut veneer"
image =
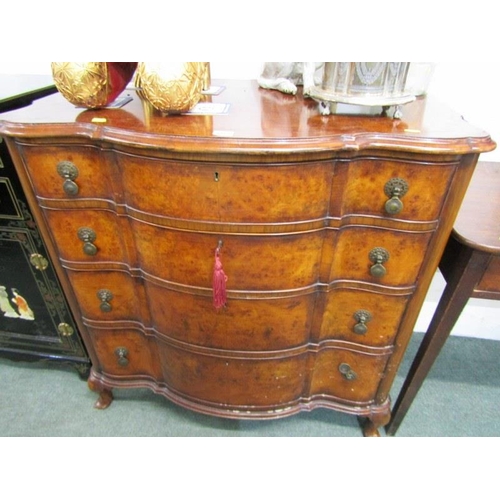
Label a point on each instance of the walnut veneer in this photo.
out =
(315, 316)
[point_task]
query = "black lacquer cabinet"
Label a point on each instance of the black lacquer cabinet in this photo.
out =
(35, 320)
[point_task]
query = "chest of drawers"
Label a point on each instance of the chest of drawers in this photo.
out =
(329, 230)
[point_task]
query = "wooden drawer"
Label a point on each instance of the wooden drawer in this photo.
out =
(359, 188)
(269, 262)
(347, 375)
(251, 262)
(71, 232)
(256, 383)
(124, 301)
(126, 353)
(353, 258)
(242, 383)
(229, 381)
(246, 324)
(227, 193)
(92, 171)
(261, 324)
(346, 311)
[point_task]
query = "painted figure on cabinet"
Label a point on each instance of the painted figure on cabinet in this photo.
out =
(23, 309)
(22, 306)
(5, 306)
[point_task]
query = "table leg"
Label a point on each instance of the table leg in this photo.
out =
(468, 269)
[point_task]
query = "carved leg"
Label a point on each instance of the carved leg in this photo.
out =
(105, 394)
(105, 399)
(371, 424)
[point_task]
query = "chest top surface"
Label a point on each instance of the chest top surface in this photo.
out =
(255, 121)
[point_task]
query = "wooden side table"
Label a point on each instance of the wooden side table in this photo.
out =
(471, 268)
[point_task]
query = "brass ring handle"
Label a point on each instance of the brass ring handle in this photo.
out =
(347, 372)
(378, 256)
(87, 236)
(105, 296)
(395, 189)
(362, 317)
(122, 353)
(68, 171)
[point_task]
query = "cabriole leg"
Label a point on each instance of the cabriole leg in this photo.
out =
(370, 425)
(105, 394)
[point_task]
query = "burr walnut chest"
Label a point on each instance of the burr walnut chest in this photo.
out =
(326, 231)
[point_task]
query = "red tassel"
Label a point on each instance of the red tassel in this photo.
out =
(219, 283)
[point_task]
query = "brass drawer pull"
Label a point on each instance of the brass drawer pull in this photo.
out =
(395, 189)
(69, 173)
(347, 372)
(362, 317)
(87, 236)
(378, 256)
(121, 354)
(105, 296)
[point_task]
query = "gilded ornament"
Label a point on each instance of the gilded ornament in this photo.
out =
(171, 87)
(92, 84)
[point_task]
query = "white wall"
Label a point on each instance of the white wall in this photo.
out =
(472, 90)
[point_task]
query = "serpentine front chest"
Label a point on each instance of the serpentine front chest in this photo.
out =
(324, 233)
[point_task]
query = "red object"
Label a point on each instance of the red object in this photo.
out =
(219, 283)
(120, 74)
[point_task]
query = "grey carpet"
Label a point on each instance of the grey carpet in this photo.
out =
(461, 397)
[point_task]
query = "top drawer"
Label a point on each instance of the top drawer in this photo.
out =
(395, 189)
(280, 193)
(242, 193)
(235, 193)
(69, 172)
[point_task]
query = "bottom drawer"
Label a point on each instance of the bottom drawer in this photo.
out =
(232, 381)
(267, 382)
(236, 382)
(346, 375)
(126, 353)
